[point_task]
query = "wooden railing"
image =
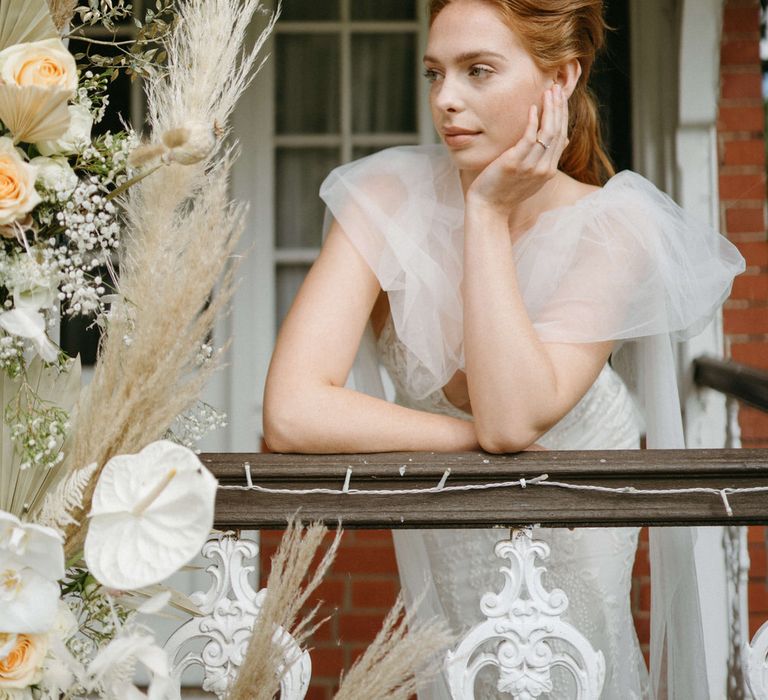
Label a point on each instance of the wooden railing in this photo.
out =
(743, 382)
(548, 505)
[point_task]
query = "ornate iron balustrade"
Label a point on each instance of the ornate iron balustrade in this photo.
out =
(472, 490)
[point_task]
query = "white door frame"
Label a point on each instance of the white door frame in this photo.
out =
(676, 88)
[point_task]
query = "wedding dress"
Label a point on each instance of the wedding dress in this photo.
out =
(624, 263)
(593, 567)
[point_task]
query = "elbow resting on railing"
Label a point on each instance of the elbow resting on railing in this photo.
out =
(505, 439)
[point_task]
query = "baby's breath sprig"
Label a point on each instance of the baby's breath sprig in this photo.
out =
(96, 612)
(92, 93)
(191, 427)
(37, 429)
(12, 362)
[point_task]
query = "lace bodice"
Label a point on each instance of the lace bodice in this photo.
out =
(604, 418)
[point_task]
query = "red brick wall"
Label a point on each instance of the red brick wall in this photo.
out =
(741, 142)
(363, 582)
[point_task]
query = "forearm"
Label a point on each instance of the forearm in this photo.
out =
(511, 380)
(330, 419)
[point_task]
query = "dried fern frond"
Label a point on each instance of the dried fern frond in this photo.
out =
(401, 659)
(66, 498)
(260, 672)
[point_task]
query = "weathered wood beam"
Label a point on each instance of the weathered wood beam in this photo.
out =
(504, 507)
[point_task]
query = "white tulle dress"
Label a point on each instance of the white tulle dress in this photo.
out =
(624, 263)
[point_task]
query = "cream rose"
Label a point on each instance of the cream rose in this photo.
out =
(45, 64)
(22, 666)
(17, 184)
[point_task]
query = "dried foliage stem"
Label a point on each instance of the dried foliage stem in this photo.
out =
(62, 12)
(258, 678)
(181, 232)
(399, 661)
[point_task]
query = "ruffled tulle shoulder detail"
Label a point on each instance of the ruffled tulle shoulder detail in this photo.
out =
(624, 262)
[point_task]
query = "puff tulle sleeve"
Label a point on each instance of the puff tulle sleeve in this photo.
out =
(623, 263)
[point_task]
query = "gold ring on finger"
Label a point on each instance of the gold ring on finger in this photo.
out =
(541, 143)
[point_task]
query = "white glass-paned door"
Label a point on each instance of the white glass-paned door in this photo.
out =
(346, 84)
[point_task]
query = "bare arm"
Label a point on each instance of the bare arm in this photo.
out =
(306, 407)
(510, 372)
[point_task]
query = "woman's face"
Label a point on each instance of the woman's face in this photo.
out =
(483, 82)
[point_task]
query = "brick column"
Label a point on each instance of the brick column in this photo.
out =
(741, 142)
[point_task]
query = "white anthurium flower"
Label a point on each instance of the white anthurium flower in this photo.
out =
(30, 324)
(75, 138)
(151, 513)
(37, 547)
(31, 561)
(55, 174)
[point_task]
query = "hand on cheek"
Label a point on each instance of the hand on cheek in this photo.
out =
(525, 167)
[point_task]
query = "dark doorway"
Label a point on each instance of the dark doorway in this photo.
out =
(611, 84)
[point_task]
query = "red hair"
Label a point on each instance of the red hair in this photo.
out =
(555, 32)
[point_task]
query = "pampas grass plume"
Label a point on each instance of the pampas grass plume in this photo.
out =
(401, 659)
(286, 595)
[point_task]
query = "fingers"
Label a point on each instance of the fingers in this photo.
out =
(553, 130)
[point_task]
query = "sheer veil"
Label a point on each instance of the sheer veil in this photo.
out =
(624, 264)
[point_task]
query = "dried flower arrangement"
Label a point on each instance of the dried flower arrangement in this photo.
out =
(80, 467)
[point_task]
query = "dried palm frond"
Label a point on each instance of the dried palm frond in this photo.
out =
(62, 12)
(181, 232)
(25, 20)
(34, 114)
(40, 395)
(399, 661)
(264, 663)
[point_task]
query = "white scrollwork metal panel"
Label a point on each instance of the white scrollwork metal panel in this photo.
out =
(229, 609)
(756, 663)
(531, 639)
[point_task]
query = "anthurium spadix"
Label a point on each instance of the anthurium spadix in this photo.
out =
(31, 561)
(151, 513)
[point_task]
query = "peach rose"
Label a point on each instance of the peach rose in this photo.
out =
(45, 64)
(22, 666)
(17, 184)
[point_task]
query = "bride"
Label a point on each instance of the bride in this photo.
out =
(499, 277)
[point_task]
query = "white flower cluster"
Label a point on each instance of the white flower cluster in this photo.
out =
(92, 85)
(11, 354)
(91, 231)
